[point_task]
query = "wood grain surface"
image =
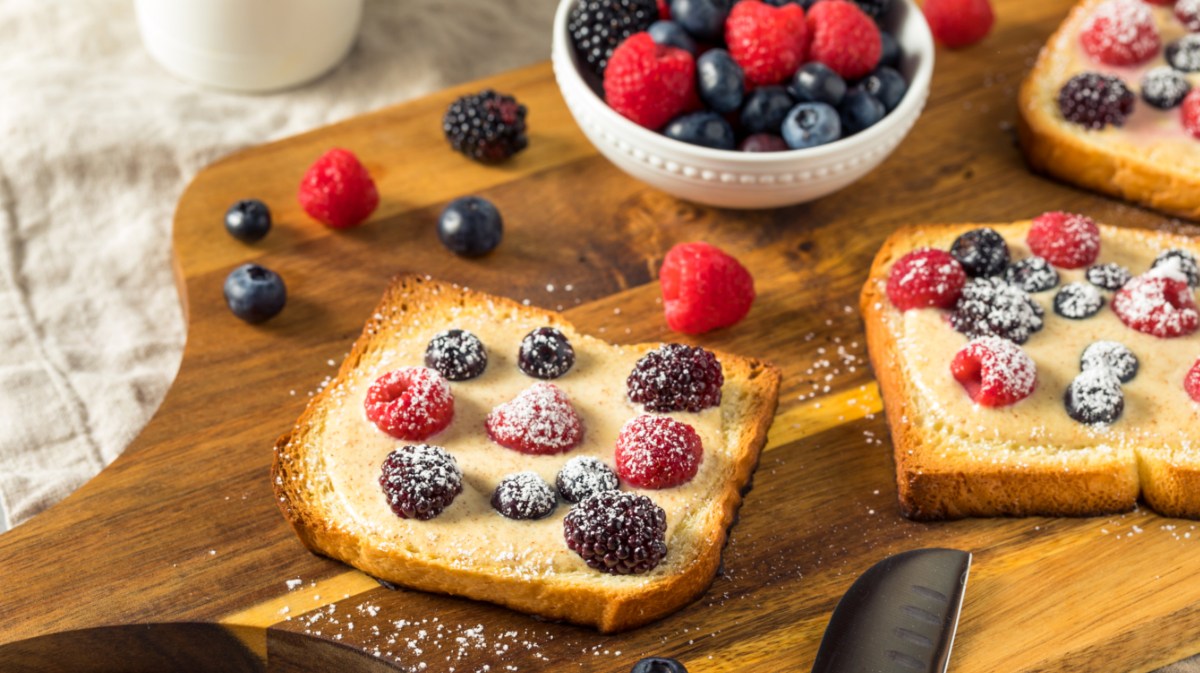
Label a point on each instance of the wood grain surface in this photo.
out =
(177, 558)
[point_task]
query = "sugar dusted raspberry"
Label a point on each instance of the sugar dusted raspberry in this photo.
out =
(539, 421)
(959, 23)
(658, 452)
(1066, 240)
(617, 533)
(337, 190)
(924, 278)
(1191, 383)
(1157, 303)
(769, 43)
(675, 377)
(1190, 111)
(704, 288)
(844, 38)
(1121, 32)
(995, 372)
(649, 83)
(1188, 12)
(420, 481)
(410, 403)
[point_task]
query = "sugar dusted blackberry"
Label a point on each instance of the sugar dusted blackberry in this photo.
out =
(1111, 276)
(545, 354)
(1032, 274)
(1095, 100)
(676, 377)
(524, 495)
(488, 127)
(1183, 261)
(617, 532)
(420, 481)
(981, 252)
(597, 27)
(1184, 53)
(1113, 356)
(1095, 397)
(1077, 301)
(1164, 88)
(585, 476)
(456, 354)
(992, 307)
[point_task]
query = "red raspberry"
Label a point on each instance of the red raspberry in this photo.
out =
(338, 190)
(844, 38)
(1121, 32)
(1161, 3)
(664, 10)
(1159, 304)
(925, 278)
(411, 403)
(1191, 113)
(658, 452)
(703, 288)
(1066, 240)
(539, 421)
(1188, 13)
(959, 23)
(768, 42)
(995, 372)
(649, 83)
(1191, 382)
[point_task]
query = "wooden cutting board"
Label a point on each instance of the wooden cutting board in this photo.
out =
(176, 557)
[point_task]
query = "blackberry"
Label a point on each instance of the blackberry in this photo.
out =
(1095, 397)
(676, 377)
(1184, 261)
(487, 126)
(658, 665)
(585, 476)
(456, 354)
(1077, 301)
(1109, 276)
(597, 27)
(420, 480)
(1095, 100)
(1032, 274)
(618, 533)
(991, 307)
(545, 354)
(981, 252)
(1111, 355)
(1164, 88)
(524, 495)
(1184, 53)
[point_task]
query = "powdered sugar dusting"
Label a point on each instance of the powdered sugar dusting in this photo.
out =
(1110, 355)
(1121, 32)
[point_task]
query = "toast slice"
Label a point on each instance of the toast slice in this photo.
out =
(326, 469)
(1150, 160)
(957, 459)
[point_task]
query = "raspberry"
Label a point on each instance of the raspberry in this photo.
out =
(648, 83)
(844, 38)
(992, 307)
(676, 377)
(1184, 54)
(658, 452)
(1182, 262)
(488, 127)
(981, 252)
(703, 288)
(1121, 32)
(412, 403)
(1032, 274)
(545, 354)
(1111, 355)
(1188, 12)
(924, 278)
(618, 533)
(1190, 111)
(585, 476)
(959, 23)
(456, 354)
(995, 372)
(1077, 301)
(1095, 100)
(539, 421)
(524, 495)
(419, 481)
(1066, 240)
(1095, 397)
(768, 42)
(1191, 383)
(664, 10)
(1161, 305)
(1111, 276)
(337, 190)
(598, 27)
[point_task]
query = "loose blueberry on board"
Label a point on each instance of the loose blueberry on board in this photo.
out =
(707, 129)
(814, 82)
(470, 226)
(763, 142)
(765, 109)
(1095, 397)
(890, 53)
(1111, 355)
(1078, 301)
(1032, 274)
(254, 293)
(671, 34)
(702, 19)
(248, 220)
(887, 85)
(1164, 88)
(545, 353)
(860, 111)
(1184, 53)
(456, 354)
(982, 252)
(810, 125)
(720, 81)
(659, 664)
(596, 27)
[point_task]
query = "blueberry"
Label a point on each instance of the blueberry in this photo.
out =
(815, 82)
(248, 220)
(1182, 261)
(981, 252)
(708, 129)
(1032, 274)
(254, 293)
(890, 53)
(887, 85)
(763, 142)
(806, 4)
(876, 9)
(1095, 397)
(860, 111)
(702, 19)
(1109, 276)
(658, 665)
(1111, 355)
(1164, 88)
(765, 109)
(1184, 53)
(671, 34)
(1077, 301)
(811, 124)
(470, 226)
(720, 81)
(456, 354)
(545, 353)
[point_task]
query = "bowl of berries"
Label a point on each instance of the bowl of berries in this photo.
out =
(744, 103)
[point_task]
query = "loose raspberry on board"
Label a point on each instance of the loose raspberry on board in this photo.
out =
(959, 23)
(704, 288)
(338, 191)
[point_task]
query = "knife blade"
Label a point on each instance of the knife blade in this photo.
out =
(900, 616)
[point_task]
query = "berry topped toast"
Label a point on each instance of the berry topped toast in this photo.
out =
(1049, 367)
(473, 446)
(1111, 103)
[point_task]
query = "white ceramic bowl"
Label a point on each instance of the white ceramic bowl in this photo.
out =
(747, 179)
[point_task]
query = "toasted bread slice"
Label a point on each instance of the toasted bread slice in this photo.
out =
(326, 468)
(957, 459)
(1150, 160)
